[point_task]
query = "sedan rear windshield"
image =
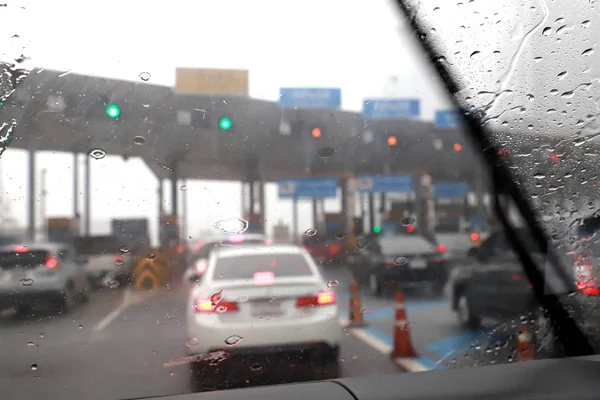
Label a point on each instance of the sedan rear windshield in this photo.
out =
(281, 265)
(28, 259)
(403, 243)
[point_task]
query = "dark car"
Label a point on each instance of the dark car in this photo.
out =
(400, 261)
(323, 249)
(198, 261)
(490, 283)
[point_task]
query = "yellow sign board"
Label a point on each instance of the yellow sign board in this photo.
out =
(211, 81)
(149, 274)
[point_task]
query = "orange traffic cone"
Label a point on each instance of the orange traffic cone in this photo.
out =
(356, 316)
(402, 344)
(525, 346)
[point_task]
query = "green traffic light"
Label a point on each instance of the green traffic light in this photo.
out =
(377, 229)
(113, 111)
(225, 124)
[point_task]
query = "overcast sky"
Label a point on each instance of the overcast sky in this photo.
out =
(355, 45)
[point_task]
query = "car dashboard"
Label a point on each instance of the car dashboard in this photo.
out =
(568, 378)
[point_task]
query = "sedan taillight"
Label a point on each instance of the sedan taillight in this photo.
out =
(321, 299)
(207, 306)
(51, 262)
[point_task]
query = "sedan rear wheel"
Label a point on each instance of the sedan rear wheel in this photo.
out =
(465, 317)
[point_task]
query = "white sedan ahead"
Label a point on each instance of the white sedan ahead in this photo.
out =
(261, 300)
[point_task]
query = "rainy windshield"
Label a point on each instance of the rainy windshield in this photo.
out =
(133, 135)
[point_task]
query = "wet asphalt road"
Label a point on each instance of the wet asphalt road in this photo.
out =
(103, 350)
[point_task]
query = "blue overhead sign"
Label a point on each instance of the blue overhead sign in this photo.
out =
(391, 108)
(384, 183)
(448, 119)
(310, 98)
(451, 190)
(312, 188)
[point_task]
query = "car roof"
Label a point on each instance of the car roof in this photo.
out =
(225, 238)
(241, 251)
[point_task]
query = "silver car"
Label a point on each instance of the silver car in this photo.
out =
(41, 275)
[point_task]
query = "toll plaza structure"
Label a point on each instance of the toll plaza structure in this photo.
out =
(184, 133)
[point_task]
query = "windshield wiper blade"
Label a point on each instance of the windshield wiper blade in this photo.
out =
(574, 342)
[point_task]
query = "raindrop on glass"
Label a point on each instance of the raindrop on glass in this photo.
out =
(255, 367)
(139, 140)
(192, 342)
(587, 52)
(97, 154)
(233, 340)
(183, 188)
(362, 243)
(475, 54)
(165, 166)
(32, 344)
(216, 297)
(26, 282)
(118, 261)
(242, 299)
(310, 232)
(124, 249)
(365, 311)
(400, 260)
(232, 226)
(326, 152)
(221, 309)
(406, 221)
(151, 256)
(112, 284)
(547, 31)
(80, 327)
(34, 367)
(340, 236)
(145, 76)
(333, 283)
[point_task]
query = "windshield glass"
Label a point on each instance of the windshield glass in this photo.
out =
(141, 136)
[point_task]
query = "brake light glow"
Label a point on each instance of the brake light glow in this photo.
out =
(236, 239)
(207, 306)
(442, 248)
(264, 278)
(474, 236)
(201, 266)
(51, 262)
(333, 249)
(118, 260)
(199, 245)
(21, 249)
(268, 242)
(410, 229)
(321, 299)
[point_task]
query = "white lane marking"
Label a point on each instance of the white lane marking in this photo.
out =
(130, 298)
(372, 341)
(407, 363)
(410, 364)
(104, 322)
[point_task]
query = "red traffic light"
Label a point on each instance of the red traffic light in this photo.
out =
(316, 133)
(392, 141)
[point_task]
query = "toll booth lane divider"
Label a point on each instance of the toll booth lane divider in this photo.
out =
(152, 271)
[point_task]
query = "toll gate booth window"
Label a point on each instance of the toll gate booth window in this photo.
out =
(281, 265)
